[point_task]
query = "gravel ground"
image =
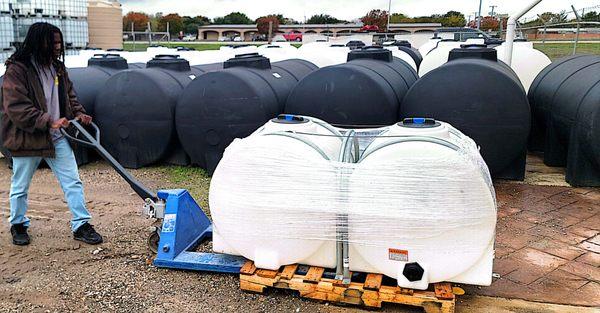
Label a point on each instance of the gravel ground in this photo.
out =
(57, 274)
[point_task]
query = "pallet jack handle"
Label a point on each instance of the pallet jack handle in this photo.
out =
(94, 142)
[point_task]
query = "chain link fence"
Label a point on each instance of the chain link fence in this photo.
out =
(571, 31)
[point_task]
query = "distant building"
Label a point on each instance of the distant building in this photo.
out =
(249, 32)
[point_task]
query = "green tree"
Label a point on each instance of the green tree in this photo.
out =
(191, 24)
(175, 23)
(591, 16)
(233, 18)
(376, 17)
(282, 19)
(323, 19)
(399, 18)
(453, 19)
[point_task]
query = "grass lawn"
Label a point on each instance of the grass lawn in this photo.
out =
(558, 50)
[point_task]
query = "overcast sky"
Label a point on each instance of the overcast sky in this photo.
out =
(342, 9)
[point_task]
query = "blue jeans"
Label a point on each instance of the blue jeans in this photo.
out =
(64, 167)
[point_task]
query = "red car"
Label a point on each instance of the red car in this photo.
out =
(369, 28)
(293, 36)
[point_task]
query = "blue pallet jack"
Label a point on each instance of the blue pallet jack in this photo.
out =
(184, 225)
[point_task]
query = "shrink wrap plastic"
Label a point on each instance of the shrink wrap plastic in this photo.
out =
(436, 186)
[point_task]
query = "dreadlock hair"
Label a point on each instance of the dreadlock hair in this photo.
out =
(39, 44)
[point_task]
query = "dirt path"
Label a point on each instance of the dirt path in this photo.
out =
(56, 273)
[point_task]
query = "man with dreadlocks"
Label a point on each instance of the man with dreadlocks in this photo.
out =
(37, 100)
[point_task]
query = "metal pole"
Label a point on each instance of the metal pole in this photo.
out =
(133, 35)
(168, 33)
(388, 19)
(270, 31)
(511, 26)
(479, 15)
(149, 34)
(577, 33)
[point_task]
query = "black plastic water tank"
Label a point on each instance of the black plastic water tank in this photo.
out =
(231, 103)
(135, 111)
(573, 119)
(87, 81)
(365, 91)
(404, 45)
(543, 89)
(482, 98)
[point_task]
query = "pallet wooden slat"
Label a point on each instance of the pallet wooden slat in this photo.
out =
(289, 271)
(314, 274)
(248, 268)
(370, 293)
(373, 281)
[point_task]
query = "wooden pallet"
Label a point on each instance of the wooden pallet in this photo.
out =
(370, 293)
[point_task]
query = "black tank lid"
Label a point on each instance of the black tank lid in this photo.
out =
(114, 49)
(169, 62)
(436, 37)
(401, 43)
(372, 52)
(419, 122)
(289, 119)
(250, 60)
(185, 49)
(90, 48)
(337, 45)
(474, 51)
(273, 46)
(520, 40)
(321, 40)
(355, 44)
(448, 40)
(108, 60)
(238, 46)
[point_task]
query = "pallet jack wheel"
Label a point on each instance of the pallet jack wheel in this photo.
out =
(154, 238)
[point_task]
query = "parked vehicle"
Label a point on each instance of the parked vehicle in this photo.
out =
(369, 28)
(293, 36)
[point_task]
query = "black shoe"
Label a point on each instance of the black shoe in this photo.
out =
(87, 234)
(19, 234)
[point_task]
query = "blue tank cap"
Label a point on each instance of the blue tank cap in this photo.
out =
(289, 119)
(419, 122)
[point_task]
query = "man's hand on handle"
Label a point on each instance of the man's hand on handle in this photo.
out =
(60, 123)
(85, 119)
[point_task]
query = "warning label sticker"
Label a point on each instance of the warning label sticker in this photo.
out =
(398, 255)
(169, 223)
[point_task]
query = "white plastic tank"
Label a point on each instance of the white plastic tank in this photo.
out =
(527, 62)
(437, 56)
(2, 69)
(277, 53)
(441, 226)
(160, 50)
(324, 53)
(402, 56)
(429, 45)
(263, 218)
(234, 50)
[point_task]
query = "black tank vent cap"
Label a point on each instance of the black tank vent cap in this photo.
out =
(372, 52)
(475, 51)
(108, 60)
(250, 60)
(169, 62)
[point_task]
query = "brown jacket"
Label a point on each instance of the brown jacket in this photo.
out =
(25, 119)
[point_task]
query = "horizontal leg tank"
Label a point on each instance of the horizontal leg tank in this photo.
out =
(414, 201)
